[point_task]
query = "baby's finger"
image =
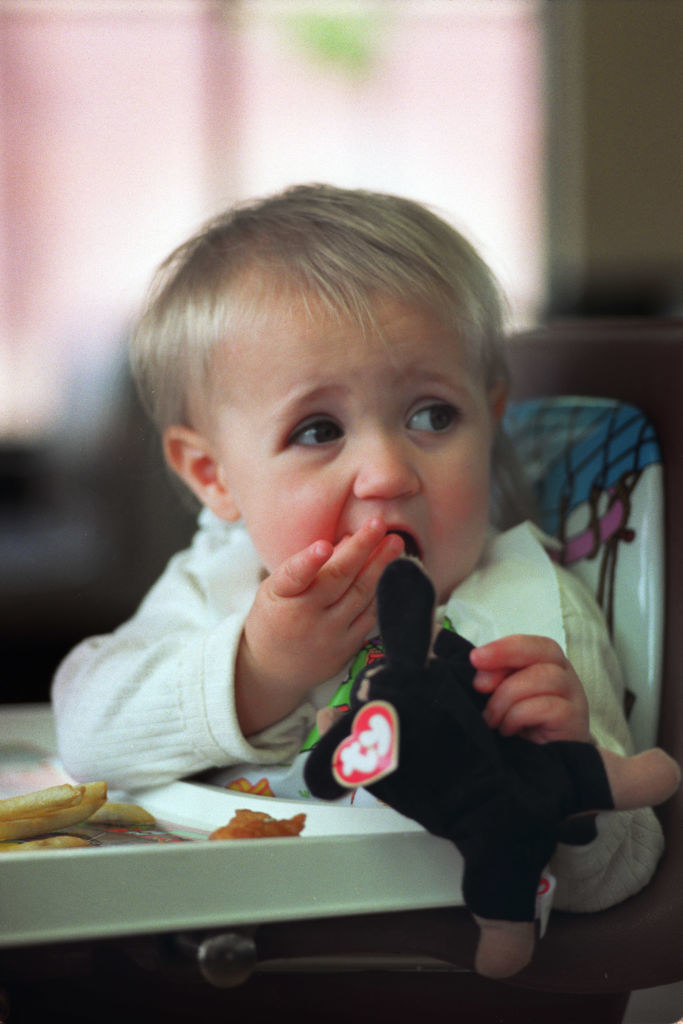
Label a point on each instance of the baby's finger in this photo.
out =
(542, 680)
(363, 624)
(540, 719)
(297, 573)
(487, 681)
(359, 599)
(517, 651)
(350, 556)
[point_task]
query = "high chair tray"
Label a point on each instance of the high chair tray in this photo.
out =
(348, 860)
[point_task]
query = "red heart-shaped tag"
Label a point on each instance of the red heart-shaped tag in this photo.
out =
(371, 751)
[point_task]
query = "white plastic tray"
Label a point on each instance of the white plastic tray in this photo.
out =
(349, 860)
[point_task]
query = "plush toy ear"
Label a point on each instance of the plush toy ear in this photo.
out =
(405, 609)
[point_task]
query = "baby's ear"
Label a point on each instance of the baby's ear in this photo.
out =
(191, 456)
(498, 397)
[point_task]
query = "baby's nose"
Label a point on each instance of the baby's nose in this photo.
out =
(385, 471)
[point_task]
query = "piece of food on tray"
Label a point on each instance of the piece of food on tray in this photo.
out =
(111, 813)
(256, 825)
(47, 810)
(58, 842)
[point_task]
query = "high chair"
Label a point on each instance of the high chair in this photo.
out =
(418, 963)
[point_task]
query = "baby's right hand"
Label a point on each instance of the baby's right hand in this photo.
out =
(308, 619)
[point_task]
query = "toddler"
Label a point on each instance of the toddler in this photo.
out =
(327, 371)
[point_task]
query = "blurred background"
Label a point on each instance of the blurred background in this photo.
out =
(548, 131)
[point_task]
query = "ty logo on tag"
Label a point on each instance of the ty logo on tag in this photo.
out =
(371, 751)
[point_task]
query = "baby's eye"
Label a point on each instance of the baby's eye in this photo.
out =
(434, 418)
(314, 432)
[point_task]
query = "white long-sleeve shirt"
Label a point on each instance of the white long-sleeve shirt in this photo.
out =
(154, 701)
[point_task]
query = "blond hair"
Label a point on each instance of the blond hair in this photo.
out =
(343, 247)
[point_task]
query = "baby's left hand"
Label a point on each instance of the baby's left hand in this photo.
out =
(535, 692)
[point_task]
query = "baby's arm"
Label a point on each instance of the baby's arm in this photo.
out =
(307, 620)
(153, 701)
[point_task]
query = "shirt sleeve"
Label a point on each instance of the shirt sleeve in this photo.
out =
(154, 700)
(629, 844)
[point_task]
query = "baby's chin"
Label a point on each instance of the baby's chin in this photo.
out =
(446, 584)
(446, 575)
(444, 593)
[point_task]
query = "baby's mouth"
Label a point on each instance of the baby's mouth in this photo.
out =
(412, 548)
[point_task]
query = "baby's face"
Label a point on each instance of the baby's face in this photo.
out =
(317, 427)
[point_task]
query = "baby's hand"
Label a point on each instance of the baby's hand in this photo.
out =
(309, 618)
(534, 690)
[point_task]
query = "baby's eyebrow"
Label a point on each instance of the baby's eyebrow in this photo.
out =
(424, 377)
(301, 395)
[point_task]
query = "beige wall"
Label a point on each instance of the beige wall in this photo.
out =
(615, 87)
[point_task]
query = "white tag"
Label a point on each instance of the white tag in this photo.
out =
(544, 900)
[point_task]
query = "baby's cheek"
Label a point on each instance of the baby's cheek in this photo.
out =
(282, 534)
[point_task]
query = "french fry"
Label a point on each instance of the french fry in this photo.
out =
(59, 842)
(48, 810)
(33, 804)
(121, 814)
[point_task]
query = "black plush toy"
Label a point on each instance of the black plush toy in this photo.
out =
(414, 736)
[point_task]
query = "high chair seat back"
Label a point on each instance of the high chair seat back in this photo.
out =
(595, 468)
